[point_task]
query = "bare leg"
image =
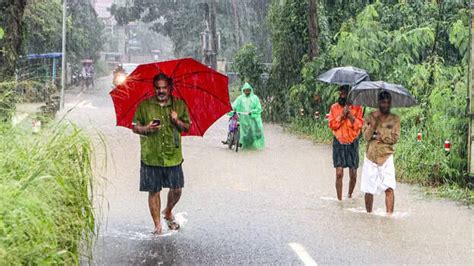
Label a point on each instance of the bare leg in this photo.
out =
(369, 202)
(339, 177)
(353, 180)
(389, 200)
(173, 197)
(154, 203)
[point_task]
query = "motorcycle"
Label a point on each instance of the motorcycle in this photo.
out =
(88, 81)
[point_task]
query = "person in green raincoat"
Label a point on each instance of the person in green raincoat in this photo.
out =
(250, 119)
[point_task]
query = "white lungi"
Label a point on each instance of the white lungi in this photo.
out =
(376, 179)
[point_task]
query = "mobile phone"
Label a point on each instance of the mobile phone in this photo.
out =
(156, 122)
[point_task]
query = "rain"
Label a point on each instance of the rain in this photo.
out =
(236, 132)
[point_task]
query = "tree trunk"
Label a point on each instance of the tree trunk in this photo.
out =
(10, 45)
(313, 29)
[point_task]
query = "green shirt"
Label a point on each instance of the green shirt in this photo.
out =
(162, 148)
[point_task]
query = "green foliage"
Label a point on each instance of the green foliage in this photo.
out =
(45, 207)
(247, 63)
(2, 32)
(459, 37)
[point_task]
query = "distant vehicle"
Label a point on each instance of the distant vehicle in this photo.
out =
(120, 74)
(129, 67)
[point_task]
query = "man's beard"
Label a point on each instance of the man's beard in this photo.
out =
(342, 101)
(162, 96)
(385, 111)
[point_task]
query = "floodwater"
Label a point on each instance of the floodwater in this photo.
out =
(274, 206)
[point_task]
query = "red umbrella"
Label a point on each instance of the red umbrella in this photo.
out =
(204, 90)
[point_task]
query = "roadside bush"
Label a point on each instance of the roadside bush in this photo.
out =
(247, 63)
(45, 198)
(8, 98)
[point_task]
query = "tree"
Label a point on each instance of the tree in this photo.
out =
(12, 24)
(289, 36)
(313, 29)
(238, 22)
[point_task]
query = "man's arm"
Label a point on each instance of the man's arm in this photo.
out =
(356, 120)
(335, 119)
(138, 123)
(369, 127)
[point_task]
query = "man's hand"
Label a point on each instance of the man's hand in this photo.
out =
(180, 124)
(151, 127)
(148, 129)
(351, 117)
(174, 116)
(347, 111)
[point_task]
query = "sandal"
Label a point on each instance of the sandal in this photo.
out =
(172, 224)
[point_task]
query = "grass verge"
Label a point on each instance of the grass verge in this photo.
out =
(46, 211)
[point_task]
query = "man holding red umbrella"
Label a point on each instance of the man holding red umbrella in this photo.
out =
(160, 121)
(158, 101)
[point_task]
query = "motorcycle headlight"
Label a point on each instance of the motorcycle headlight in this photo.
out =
(121, 79)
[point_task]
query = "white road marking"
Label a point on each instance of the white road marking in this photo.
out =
(302, 254)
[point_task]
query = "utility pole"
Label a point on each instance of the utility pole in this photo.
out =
(214, 38)
(210, 39)
(63, 58)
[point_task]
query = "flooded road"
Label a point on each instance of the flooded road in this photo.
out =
(274, 206)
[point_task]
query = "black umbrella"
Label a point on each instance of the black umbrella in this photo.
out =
(366, 94)
(344, 75)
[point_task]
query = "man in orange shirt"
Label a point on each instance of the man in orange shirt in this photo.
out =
(345, 121)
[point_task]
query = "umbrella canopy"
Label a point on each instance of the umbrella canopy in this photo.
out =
(347, 75)
(204, 90)
(366, 94)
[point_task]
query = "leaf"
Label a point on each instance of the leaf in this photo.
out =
(2, 33)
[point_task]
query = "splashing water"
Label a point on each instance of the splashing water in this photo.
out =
(379, 212)
(143, 233)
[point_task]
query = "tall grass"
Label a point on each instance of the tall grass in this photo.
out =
(45, 196)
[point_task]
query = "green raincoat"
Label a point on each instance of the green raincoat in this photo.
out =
(251, 126)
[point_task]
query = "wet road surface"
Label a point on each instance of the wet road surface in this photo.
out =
(275, 206)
